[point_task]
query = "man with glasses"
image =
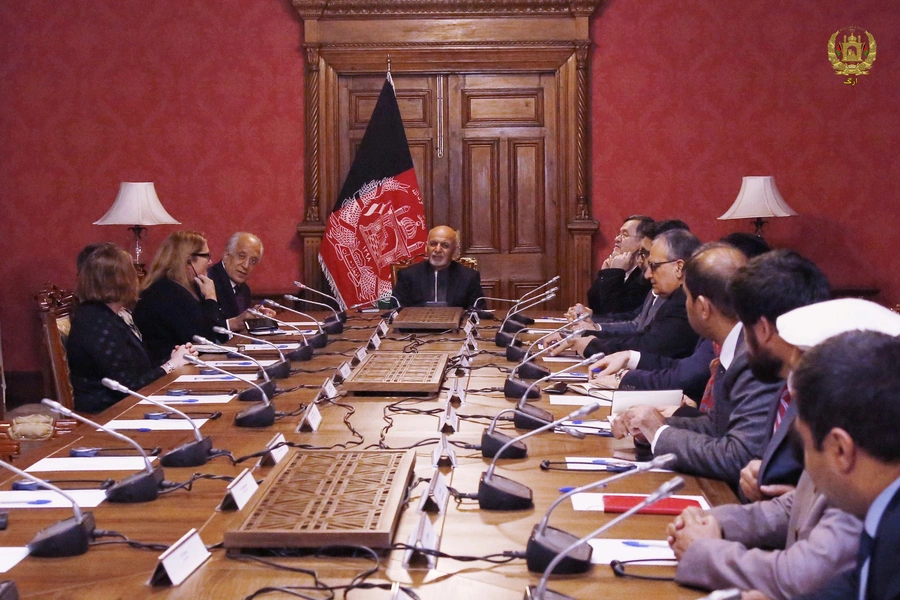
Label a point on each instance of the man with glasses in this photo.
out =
(243, 251)
(620, 285)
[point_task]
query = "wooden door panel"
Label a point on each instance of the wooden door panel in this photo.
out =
(526, 217)
(481, 196)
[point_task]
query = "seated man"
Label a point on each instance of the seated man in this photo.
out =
(620, 285)
(795, 543)
(718, 443)
(438, 280)
(243, 251)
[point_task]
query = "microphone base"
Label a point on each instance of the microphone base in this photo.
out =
(491, 442)
(514, 388)
(280, 370)
(515, 352)
(320, 340)
(523, 319)
(66, 538)
(262, 415)
(530, 370)
(333, 327)
(251, 394)
(531, 417)
(544, 547)
(500, 493)
(511, 326)
(140, 487)
(485, 315)
(191, 454)
(301, 354)
(341, 316)
(547, 595)
(502, 339)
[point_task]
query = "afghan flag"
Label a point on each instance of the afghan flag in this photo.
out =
(378, 218)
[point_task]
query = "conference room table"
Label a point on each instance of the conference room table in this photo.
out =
(118, 570)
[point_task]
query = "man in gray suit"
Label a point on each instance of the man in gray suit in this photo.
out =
(719, 443)
(807, 540)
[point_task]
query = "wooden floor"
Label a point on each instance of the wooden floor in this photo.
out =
(118, 571)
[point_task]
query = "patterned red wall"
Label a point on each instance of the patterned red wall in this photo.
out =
(206, 99)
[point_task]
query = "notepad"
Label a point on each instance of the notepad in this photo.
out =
(50, 499)
(622, 400)
(654, 552)
(599, 463)
(90, 463)
(618, 503)
(201, 399)
(224, 364)
(154, 424)
(256, 347)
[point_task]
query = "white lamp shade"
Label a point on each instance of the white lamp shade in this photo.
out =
(759, 197)
(137, 204)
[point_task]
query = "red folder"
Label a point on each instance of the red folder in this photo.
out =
(619, 503)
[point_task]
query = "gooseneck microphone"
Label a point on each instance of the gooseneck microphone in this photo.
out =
(500, 493)
(249, 394)
(267, 372)
(503, 335)
(548, 542)
(528, 416)
(142, 486)
(663, 491)
(259, 415)
(69, 537)
(189, 454)
(332, 324)
(514, 352)
(320, 340)
(342, 315)
(513, 387)
(303, 352)
(492, 440)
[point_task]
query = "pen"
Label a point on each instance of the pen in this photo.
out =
(645, 544)
(31, 502)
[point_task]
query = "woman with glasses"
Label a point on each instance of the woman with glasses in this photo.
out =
(178, 300)
(104, 341)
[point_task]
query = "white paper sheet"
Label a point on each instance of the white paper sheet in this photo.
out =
(304, 323)
(594, 501)
(625, 399)
(561, 359)
(608, 550)
(89, 463)
(209, 349)
(576, 400)
(10, 556)
(224, 364)
(50, 499)
(214, 378)
(154, 424)
(595, 463)
(559, 320)
(251, 348)
(198, 399)
(285, 332)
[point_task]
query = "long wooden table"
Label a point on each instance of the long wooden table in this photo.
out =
(118, 571)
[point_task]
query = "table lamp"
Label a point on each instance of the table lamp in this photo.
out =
(758, 198)
(137, 205)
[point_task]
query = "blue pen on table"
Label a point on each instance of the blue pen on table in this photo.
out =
(38, 502)
(645, 544)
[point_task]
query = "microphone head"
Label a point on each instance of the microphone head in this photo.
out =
(270, 303)
(56, 406)
(221, 330)
(113, 385)
(300, 285)
(199, 339)
(585, 410)
(575, 433)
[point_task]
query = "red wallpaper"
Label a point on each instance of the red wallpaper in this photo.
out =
(206, 99)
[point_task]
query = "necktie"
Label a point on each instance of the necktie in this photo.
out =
(863, 556)
(240, 299)
(706, 402)
(783, 403)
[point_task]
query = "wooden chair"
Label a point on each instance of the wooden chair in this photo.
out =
(56, 306)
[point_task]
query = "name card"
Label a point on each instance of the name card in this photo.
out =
(469, 327)
(471, 343)
(360, 356)
(375, 342)
(382, 327)
(328, 389)
(239, 491)
(456, 395)
(277, 449)
(345, 370)
(449, 423)
(423, 538)
(444, 454)
(436, 496)
(474, 317)
(312, 418)
(180, 560)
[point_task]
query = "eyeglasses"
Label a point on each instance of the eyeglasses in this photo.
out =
(205, 255)
(653, 266)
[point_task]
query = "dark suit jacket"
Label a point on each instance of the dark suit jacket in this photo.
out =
(100, 344)
(884, 576)
(668, 334)
(690, 374)
(168, 315)
(720, 444)
(613, 292)
(228, 295)
(415, 285)
(780, 464)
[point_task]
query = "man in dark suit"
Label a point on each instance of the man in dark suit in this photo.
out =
(243, 251)
(719, 443)
(620, 286)
(764, 291)
(438, 280)
(848, 393)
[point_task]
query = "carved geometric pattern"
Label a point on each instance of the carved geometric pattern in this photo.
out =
(321, 9)
(398, 372)
(428, 317)
(322, 497)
